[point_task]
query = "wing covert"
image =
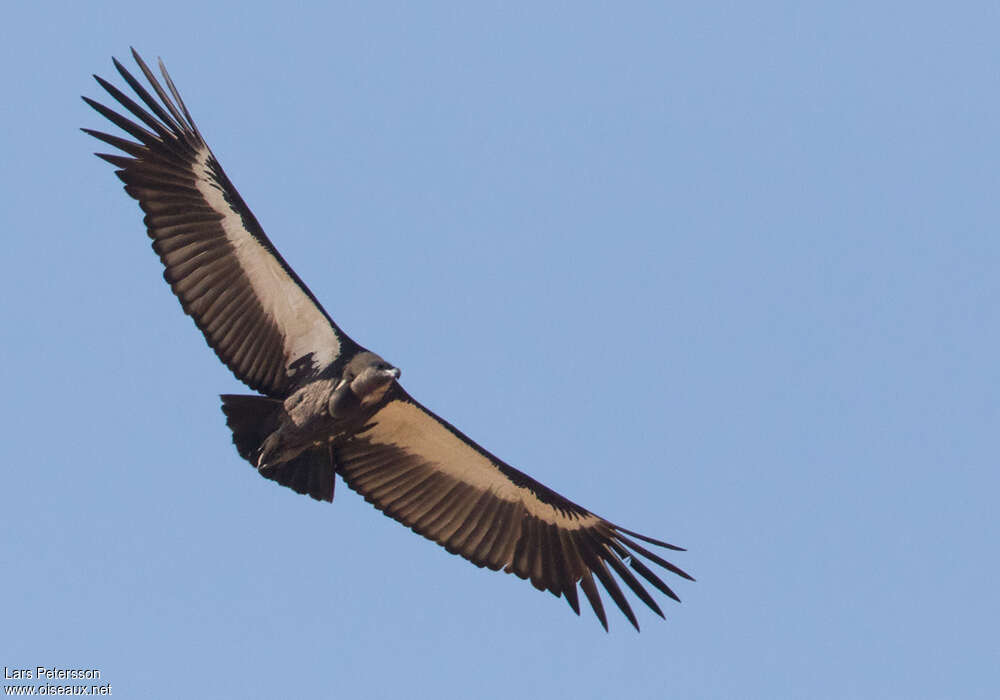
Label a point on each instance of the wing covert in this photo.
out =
(254, 311)
(424, 473)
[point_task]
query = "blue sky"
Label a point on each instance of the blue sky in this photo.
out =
(724, 273)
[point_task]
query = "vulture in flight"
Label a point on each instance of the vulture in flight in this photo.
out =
(328, 406)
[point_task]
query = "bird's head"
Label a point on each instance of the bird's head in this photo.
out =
(369, 376)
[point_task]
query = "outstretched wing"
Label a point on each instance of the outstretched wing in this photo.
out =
(421, 471)
(254, 311)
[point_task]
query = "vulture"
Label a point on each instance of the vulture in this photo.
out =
(326, 405)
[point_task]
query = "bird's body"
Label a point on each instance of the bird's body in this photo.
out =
(328, 406)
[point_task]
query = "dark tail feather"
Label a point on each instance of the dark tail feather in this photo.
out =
(252, 419)
(311, 473)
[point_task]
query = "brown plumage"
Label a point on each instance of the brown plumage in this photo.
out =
(331, 407)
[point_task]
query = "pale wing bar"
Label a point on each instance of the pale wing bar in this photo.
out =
(421, 471)
(255, 312)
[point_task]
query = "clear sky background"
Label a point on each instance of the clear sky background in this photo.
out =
(724, 273)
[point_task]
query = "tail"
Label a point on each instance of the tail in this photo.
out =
(252, 419)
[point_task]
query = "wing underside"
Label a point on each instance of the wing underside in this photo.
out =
(254, 311)
(421, 471)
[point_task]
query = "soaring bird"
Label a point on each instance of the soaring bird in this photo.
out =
(328, 406)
